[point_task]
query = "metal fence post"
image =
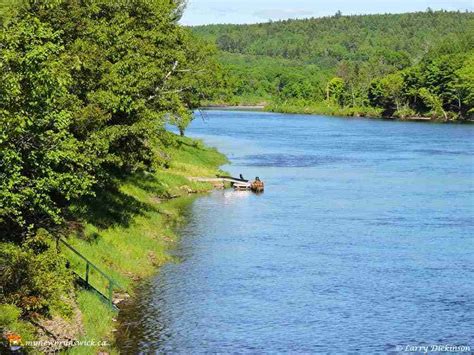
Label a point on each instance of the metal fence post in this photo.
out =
(87, 273)
(111, 288)
(90, 265)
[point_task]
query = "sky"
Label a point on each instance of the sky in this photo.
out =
(200, 12)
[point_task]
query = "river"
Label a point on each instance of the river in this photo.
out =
(361, 243)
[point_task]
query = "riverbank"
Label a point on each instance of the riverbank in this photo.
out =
(131, 231)
(323, 109)
(326, 110)
(235, 107)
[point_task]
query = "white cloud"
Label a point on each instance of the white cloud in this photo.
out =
(279, 14)
(252, 11)
(451, 4)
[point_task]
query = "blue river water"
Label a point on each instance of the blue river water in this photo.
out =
(363, 242)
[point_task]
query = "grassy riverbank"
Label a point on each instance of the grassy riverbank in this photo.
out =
(87, 90)
(322, 108)
(318, 108)
(356, 111)
(130, 231)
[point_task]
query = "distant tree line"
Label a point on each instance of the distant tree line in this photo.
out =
(402, 65)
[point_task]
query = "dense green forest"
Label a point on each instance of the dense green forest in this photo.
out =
(402, 65)
(86, 89)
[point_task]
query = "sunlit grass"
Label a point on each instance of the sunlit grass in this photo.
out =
(98, 320)
(322, 108)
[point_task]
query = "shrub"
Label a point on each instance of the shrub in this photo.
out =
(8, 315)
(10, 322)
(405, 112)
(33, 276)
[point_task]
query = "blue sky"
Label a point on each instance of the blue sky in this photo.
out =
(250, 11)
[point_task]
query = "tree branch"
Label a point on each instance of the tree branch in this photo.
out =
(163, 82)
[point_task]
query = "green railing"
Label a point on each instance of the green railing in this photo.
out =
(110, 282)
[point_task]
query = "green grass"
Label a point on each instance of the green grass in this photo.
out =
(325, 109)
(140, 229)
(10, 320)
(98, 320)
(304, 107)
(129, 232)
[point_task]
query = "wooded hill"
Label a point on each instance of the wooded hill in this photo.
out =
(340, 59)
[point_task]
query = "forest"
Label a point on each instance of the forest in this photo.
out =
(394, 65)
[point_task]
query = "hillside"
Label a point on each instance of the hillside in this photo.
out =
(400, 39)
(295, 60)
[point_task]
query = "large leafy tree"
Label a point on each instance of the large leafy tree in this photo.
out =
(387, 92)
(465, 83)
(86, 88)
(134, 67)
(335, 91)
(43, 165)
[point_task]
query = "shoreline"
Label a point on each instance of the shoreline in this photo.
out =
(309, 112)
(135, 251)
(234, 107)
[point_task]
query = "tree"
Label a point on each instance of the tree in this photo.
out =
(86, 88)
(198, 78)
(387, 92)
(43, 166)
(226, 43)
(465, 85)
(434, 102)
(335, 90)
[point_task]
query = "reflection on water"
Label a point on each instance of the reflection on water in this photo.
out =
(362, 241)
(234, 197)
(287, 160)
